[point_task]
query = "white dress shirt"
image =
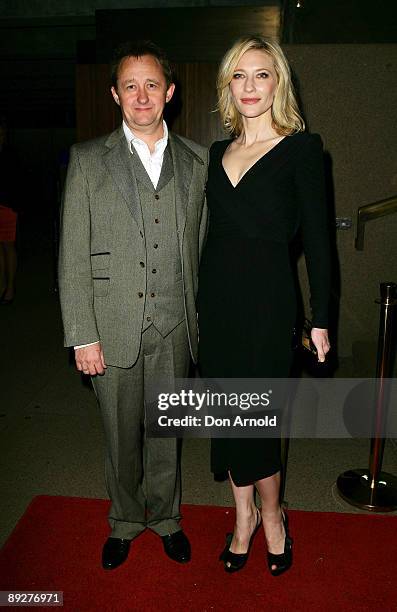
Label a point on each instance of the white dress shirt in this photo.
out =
(152, 163)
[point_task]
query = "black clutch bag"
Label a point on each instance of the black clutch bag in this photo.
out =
(306, 339)
(306, 354)
(302, 338)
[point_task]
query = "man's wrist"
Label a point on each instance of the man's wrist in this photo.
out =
(79, 346)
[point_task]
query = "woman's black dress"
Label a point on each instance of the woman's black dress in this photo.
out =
(247, 298)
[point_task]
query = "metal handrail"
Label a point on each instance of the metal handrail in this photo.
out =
(370, 212)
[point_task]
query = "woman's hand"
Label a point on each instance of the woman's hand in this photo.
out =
(321, 342)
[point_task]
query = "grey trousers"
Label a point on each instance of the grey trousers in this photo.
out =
(142, 474)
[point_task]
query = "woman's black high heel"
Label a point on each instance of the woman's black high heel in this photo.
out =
(283, 561)
(234, 562)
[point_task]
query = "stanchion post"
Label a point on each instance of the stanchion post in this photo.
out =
(373, 489)
(383, 372)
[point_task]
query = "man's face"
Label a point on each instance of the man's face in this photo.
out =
(142, 93)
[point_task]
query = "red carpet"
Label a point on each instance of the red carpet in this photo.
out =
(342, 562)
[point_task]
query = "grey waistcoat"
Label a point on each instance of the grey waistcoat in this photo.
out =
(164, 307)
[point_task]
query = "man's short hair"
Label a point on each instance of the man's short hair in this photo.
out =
(138, 49)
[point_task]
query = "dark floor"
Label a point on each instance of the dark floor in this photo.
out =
(50, 429)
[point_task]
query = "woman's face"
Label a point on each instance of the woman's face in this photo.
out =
(254, 83)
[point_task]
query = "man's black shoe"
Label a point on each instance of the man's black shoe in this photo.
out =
(115, 552)
(177, 547)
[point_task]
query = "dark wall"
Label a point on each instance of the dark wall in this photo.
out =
(194, 34)
(342, 21)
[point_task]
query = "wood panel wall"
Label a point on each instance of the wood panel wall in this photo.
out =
(197, 118)
(96, 111)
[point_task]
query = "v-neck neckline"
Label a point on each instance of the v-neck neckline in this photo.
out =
(251, 167)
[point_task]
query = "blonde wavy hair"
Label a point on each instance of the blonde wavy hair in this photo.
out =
(285, 112)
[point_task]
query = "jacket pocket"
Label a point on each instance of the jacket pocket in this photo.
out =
(100, 261)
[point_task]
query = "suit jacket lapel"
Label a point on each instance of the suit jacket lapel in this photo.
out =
(182, 160)
(118, 162)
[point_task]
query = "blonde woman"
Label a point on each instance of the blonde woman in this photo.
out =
(265, 183)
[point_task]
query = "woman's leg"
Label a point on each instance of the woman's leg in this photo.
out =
(269, 490)
(246, 517)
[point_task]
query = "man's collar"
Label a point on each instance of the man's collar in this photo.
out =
(132, 138)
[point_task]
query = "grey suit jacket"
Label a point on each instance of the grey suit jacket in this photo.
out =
(102, 238)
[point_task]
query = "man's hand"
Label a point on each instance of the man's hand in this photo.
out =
(90, 359)
(321, 342)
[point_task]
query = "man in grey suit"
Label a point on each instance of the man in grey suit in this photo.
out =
(133, 223)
